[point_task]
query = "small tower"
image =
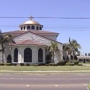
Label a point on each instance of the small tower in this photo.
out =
(30, 25)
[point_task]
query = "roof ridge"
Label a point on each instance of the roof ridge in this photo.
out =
(36, 34)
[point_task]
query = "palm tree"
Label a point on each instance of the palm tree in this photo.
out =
(66, 51)
(53, 48)
(73, 47)
(5, 38)
(66, 46)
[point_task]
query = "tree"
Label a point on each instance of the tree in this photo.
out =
(5, 38)
(66, 46)
(65, 50)
(53, 48)
(74, 47)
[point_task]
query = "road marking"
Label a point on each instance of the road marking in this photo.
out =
(21, 78)
(11, 78)
(56, 85)
(27, 85)
(85, 84)
(39, 85)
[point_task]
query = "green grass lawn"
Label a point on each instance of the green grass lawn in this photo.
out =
(45, 68)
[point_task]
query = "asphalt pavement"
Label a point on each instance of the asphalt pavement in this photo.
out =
(68, 81)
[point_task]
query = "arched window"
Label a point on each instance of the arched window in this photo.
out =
(67, 58)
(37, 27)
(21, 28)
(40, 55)
(40, 28)
(63, 58)
(15, 55)
(28, 27)
(71, 57)
(24, 27)
(33, 27)
(27, 55)
(9, 59)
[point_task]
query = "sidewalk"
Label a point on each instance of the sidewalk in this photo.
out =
(77, 71)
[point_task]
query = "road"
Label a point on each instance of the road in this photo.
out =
(44, 81)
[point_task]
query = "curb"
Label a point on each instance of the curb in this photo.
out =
(81, 71)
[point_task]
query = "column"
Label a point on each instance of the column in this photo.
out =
(34, 55)
(44, 55)
(20, 55)
(12, 54)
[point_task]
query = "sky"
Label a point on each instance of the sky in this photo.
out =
(78, 29)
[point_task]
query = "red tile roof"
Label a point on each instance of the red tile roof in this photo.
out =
(28, 42)
(38, 32)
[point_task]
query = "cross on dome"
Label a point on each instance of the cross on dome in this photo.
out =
(31, 25)
(31, 17)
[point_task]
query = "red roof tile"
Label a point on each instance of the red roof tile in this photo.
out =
(29, 42)
(38, 32)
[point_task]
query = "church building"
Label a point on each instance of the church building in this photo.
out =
(31, 43)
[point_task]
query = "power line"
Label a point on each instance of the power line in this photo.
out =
(51, 17)
(60, 28)
(64, 27)
(65, 17)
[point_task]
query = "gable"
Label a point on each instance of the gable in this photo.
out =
(45, 34)
(34, 37)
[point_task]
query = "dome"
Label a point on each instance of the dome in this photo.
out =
(31, 25)
(31, 22)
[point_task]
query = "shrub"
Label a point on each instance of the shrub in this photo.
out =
(1, 64)
(61, 62)
(80, 64)
(52, 64)
(21, 64)
(14, 64)
(27, 64)
(41, 64)
(70, 64)
(76, 62)
(8, 64)
(47, 65)
(55, 65)
(34, 65)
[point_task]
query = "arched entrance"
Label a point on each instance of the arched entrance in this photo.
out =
(40, 55)
(27, 55)
(15, 55)
(9, 59)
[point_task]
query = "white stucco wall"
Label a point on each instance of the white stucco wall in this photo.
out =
(31, 36)
(34, 53)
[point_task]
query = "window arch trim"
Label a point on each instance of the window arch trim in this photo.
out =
(27, 55)
(40, 55)
(15, 55)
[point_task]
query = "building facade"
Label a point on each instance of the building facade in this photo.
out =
(31, 43)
